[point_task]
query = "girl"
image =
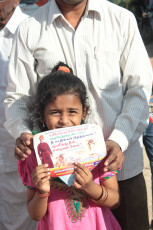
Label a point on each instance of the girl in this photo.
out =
(62, 102)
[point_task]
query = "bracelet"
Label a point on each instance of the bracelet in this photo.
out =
(103, 197)
(45, 195)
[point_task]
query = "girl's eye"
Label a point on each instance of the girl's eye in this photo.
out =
(72, 111)
(54, 112)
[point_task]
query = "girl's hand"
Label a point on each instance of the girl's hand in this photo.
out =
(84, 178)
(40, 178)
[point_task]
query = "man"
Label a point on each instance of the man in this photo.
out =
(101, 43)
(13, 213)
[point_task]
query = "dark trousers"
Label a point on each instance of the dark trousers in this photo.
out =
(132, 214)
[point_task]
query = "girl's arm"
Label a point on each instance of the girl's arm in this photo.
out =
(38, 200)
(107, 196)
(36, 205)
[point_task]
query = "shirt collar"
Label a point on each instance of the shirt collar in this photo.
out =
(54, 11)
(94, 5)
(15, 20)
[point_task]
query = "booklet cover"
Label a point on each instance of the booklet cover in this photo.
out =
(60, 148)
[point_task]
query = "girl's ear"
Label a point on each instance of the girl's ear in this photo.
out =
(42, 121)
(43, 124)
(85, 112)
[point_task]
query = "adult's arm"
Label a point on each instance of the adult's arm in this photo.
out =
(22, 81)
(136, 83)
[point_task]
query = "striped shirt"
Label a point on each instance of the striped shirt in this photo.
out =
(7, 160)
(106, 52)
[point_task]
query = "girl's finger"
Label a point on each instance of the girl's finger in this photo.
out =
(37, 178)
(82, 167)
(43, 181)
(76, 185)
(79, 172)
(83, 173)
(41, 175)
(79, 178)
(40, 169)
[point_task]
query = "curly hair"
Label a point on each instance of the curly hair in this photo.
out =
(54, 84)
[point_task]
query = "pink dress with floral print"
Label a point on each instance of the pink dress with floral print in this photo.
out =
(69, 208)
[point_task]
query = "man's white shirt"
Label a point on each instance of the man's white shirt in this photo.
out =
(106, 52)
(7, 161)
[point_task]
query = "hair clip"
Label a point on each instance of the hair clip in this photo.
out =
(64, 69)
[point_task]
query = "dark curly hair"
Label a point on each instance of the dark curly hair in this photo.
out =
(54, 84)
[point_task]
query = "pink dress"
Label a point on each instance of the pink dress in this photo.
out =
(69, 208)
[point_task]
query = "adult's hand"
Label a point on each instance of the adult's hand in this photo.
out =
(23, 146)
(115, 156)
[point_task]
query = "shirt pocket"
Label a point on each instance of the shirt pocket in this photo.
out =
(107, 73)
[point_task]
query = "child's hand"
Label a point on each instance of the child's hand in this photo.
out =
(40, 178)
(84, 178)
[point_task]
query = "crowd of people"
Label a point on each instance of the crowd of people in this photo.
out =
(71, 57)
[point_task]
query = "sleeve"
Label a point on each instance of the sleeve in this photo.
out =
(99, 173)
(25, 169)
(137, 76)
(22, 80)
(108, 175)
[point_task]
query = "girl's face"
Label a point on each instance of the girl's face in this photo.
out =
(65, 111)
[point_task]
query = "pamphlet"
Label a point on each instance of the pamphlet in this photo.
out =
(60, 148)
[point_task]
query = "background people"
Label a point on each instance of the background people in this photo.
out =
(13, 213)
(101, 43)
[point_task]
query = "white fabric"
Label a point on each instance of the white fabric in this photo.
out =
(13, 199)
(106, 52)
(13, 208)
(7, 160)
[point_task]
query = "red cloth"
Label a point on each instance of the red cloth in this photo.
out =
(45, 154)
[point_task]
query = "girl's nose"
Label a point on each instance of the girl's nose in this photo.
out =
(64, 119)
